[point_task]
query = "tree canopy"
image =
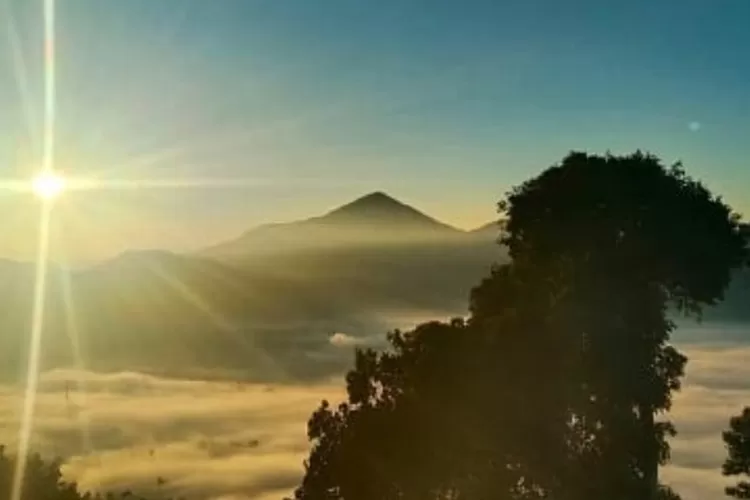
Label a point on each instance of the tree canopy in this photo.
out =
(622, 238)
(43, 480)
(632, 218)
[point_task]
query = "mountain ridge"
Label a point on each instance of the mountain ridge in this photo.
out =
(378, 206)
(269, 314)
(374, 218)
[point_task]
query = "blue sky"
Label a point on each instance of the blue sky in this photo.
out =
(443, 104)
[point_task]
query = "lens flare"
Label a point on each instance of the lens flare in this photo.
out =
(48, 185)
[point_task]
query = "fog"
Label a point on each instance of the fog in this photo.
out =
(224, 439)
(717, 386)
(204, 439)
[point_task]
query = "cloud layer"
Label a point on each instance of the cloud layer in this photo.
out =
(717, 386)
(224, 440)
(204, 439)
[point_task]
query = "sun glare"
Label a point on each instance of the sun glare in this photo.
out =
(48, 185)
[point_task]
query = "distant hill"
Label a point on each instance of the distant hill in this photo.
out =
(263, 305)
(372, 219)
(379, 211)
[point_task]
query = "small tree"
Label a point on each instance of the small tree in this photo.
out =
(43, 481)
(737, 441)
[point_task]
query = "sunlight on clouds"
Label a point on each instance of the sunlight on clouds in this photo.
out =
(716, 388)
(210, 439)
(229, 440)
(344, 340)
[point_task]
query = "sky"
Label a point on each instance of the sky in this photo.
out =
(283, 109)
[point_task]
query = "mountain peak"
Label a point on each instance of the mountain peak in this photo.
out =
(374, 218)
(377, 201)
(377, 197)
(379, 207)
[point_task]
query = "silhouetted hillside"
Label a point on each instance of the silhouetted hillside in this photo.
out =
(268, 303)
(374, 219)
(378, 210)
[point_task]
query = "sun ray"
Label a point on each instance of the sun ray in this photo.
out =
(73, 334)
(86, 184)
(16, 185)
(217, 318)
(37, 315)
(50, 181)
(166, 183)
(35, 344)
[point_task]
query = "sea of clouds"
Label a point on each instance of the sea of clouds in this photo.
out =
(203, 439)
(226, 440)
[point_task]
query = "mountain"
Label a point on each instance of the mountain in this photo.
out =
(374, 255)
(375, 218)
(265, 305)
(491, 230)
(378, 210)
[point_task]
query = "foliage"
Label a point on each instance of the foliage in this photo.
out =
(633, 217)
(361, 447)
(620, 238)
(737, 441)
(421, 422)
(43, 481)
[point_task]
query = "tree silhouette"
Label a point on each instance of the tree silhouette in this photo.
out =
(449, 411)
(614, 240)
(737, 441)
(550, 389)
(390, 439)
(43, 481)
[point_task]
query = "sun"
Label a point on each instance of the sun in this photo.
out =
(48, 185)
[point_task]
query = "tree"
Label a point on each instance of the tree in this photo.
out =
(737, 441)
(551, 387)
(438, 415)
(43, 481)
(385, 441)
(615, 240)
